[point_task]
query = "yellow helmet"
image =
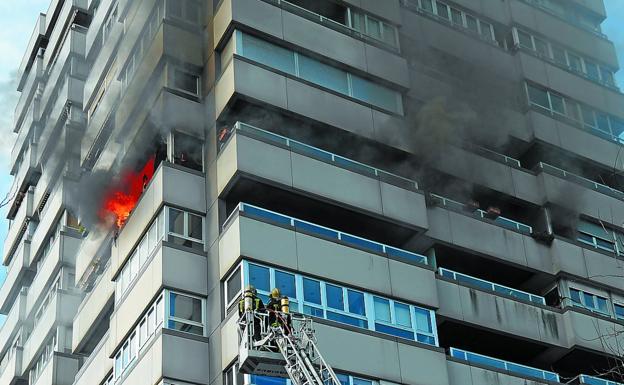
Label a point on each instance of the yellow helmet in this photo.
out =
(251, 289)
(275, 293)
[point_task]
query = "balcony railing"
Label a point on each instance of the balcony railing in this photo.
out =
(325, 156)
(582, 181)
(490, 286)
(329, 23)
(326, 232)
(585, 379)
(504, 365)
(500, 220)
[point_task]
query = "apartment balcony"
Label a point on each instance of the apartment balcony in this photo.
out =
(27, 174)
(584, 41)
(19, 226)
(456, 224)
(277, 239)
(12, 372)
(16, 272)
(488, 305)
(167, 266)
(92, 310)
(591, 198)
(13, 321)
(97, 366)
(60, 370)
(57, 314)
(308, 30)
(28, 129)
(94, 36)
(65, 17)
(475, 369)
(243, 80)
(569, 136)
(163, 189)
(593, 332)
(61, 254)
(393, 359)
(160, 359)
(29, 91)
(32, 49)
(316, 172)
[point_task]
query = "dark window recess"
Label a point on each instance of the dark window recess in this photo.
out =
(330, 10)
(188, 151)
(186, 82)
(553, 298)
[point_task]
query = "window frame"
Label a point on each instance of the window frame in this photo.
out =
(593, 307)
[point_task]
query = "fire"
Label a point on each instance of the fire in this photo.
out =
(121, 198)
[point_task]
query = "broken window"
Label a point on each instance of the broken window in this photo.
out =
(188, 151)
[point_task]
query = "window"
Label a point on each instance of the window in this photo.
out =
(186, 82)
(188, 151)
(619, 311)
(345, 305)
(443, 10)
(185, 228)
(185, 10)
(589, 301)
(319, 73)
(592, 70)
(597, 235)
(471, 23)
(185, 313)
(233, 288)
(559, 55)
(373, 27)
(538, 97)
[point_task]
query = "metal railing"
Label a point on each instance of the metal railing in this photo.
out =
(499, 220)
(326, 232)
(504, 365)
(582, 181)
(585, 379)
(490, 286)
(325, 156)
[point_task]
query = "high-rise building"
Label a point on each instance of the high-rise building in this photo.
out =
(438, 184)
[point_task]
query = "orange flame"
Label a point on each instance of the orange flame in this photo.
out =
(121, 199)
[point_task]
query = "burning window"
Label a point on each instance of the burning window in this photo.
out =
(122, 197)
(188, 151)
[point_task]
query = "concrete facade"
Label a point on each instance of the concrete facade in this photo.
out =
(437, 183)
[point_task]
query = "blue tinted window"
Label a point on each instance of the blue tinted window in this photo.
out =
(402, 315)
(347, 320)
(356, 302)
(359, 381)
(312, 291)
(602, 304)
(259, 277)
(394, 331)
(413, 257)
(334, 297)
(266, 380)
(603, 122)
(323, 75)
(423, 320)
(588, 299)
(268, 54)
(313, 311)
(372, 93)
(362, 243)
(315, 229)
(382, 309)
(343, 378)
(286, 284)
(575, 295)
(486, 361)
(619, 311)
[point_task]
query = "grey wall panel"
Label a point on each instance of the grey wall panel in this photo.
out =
(264, 160)
(459, 374)
(387, 66)
(192, 367)
(404, 205)
(568, 257)
(485, 376)
(185, 271)
(261, 84)
(421, 366)
(268, 243)
(594, 333)
(330, 109)
(336, 183)
(413, 283)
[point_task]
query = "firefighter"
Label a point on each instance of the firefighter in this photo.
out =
(279, 308)
(250, 302)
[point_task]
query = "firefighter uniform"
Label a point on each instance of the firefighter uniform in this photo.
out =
(251, 302)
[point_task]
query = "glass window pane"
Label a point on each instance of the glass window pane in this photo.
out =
(143, 250)
(359, 381)
(234, 285)
(357, 20)
(457, 16)
(619, 311)
(471, 23)
(160, 311)
(607, 76)
(557, 104)
(423, 320)
(268, 54)
(356, 302)
(176, 221)
(427, 5)
(184, 327)
(323, 75)
(286, 284)
(373, 27)
(575, 296)
(402, 313)
(334, 297)
(559, 55)
(188, 151)
(375, 94)
(312, 291)
(259, 277)
(572, 110)
(588, 300)
(541, 47)
(486, 30)
(575, 62)
(602, 121)
(184, 307)
(443, 10)
(617, 126)
(602, 305)
(592, 70)
(538, 96)
(382, 309)
(588, 116)
(343, 378)
(195, 226)
(186, 81)
(389, 34)
(152, 237)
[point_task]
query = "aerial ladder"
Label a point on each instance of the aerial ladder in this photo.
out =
(281, 344)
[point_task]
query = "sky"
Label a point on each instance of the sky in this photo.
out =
(17, 21)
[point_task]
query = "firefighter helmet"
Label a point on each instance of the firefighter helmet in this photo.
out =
(275, 293)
